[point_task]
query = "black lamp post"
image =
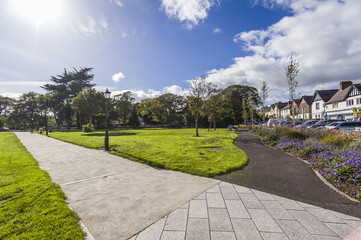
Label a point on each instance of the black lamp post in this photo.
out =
(106, 141)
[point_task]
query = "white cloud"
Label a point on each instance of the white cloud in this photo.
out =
(191, 12)
(175, 89)
(93, 26)
(151, 93)
(116, 3)
(217, 30)
(324, 37)
(116, 77)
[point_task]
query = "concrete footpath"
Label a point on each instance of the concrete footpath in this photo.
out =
(114, 197)
(118, 199)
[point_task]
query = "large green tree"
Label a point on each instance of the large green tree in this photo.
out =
(26, 112)
(65, 87)
(233, 97)
(88, 104)
(124, 105)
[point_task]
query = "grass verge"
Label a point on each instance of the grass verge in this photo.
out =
(210, 154)
(31, 206)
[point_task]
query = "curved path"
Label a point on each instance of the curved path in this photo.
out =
(276, 172)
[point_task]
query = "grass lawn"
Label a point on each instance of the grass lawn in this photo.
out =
(177, 149)
(31, 206)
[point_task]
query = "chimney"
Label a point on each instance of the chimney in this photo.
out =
(345, 84)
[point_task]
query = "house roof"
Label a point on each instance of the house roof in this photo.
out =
(297, 101)
(340, 95)
(308, 99)
(281, 105)
(325, 94)
(288, 106)
(358, 86)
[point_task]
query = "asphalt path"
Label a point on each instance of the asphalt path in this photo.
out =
(278, 173)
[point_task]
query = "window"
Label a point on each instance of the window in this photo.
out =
(358, 100)
(334, 105)
(349, 102)
(317, 106)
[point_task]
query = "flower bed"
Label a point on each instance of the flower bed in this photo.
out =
(340, 168)
(339, 163)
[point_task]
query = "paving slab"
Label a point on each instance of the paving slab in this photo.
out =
(278, 219)
(114, 197)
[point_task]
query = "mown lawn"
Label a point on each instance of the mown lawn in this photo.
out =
(177, 149)
(31, 206)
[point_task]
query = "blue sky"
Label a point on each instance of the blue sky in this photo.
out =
(155, 47)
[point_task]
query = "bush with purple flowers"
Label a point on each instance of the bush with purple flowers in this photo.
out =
(336, 166)
(339, 165)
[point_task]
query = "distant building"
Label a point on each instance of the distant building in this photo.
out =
(341, 105)
(320, 97)
(304, 108)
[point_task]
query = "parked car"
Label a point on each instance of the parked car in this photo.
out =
(307, 124)
(330, 125)
(347, 126)
(321, 123)
(357, 129)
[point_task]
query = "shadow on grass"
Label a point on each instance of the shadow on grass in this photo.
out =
(111, 134)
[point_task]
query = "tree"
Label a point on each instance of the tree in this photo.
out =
(26, 111)
(250, 109)
(244, 110)
(199, 94)
(264, 95)
(88, 104)
(65, 87)
(124, 106)
(214, 108)
(292, 70)
(6, 105)
(145, 110)
(233, 97)
(167, 108)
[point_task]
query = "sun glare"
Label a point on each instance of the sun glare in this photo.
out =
(38, 11)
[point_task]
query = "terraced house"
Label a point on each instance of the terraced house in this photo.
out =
(336, 104)
(342, 105)
(320, 97)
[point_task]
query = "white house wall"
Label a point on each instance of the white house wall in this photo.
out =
(318, 113)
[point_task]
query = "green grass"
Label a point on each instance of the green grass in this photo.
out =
(210, 154)
(31, 206)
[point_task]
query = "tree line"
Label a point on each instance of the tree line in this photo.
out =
(72, 101)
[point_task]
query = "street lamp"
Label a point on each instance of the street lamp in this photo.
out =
(106, 141)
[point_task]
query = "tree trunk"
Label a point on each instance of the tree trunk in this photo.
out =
(78, 121)
(214, 125)
(196, 123)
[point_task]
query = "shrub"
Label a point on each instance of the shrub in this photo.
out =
(295, 134)
(336, 140)
(88, 128)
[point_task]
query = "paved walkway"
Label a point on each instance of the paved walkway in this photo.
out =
(114, 197)
(278, 173)
(117, 198)
(230, 212)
